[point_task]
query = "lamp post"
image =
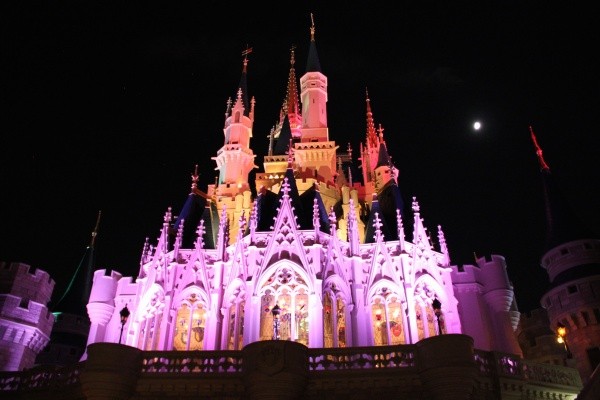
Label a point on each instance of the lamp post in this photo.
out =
(276, 311)
(437, 310)
(561, 331)
(124, 315)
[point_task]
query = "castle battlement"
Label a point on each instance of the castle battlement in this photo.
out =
(21, 280)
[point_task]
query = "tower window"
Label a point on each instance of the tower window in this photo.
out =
(586, 317)
(575, 320)
(597, 315)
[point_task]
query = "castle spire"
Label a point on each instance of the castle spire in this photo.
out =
(291, 105)
(371, 133)
(538, 151)
(562, 223)
(195, 179)
(243, 85)
(313, 64)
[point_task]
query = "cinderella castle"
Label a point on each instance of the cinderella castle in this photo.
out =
(341, 257)
(320, 252)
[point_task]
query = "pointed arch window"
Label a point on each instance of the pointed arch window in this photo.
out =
(334, 320)
(288, 290)
(379, 323)
(190, 324)
(235, 329)
(426, 318)
(387, 319)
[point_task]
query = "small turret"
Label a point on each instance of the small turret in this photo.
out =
(25, 320)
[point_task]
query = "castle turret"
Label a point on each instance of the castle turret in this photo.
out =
(25, 321)
(235, 159)
(572, 261)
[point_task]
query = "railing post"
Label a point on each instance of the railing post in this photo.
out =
(447, 367)
(111, 371)
(275, 370)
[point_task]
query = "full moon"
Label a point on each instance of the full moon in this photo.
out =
(477, 125)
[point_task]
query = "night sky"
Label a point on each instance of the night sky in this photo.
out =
(109, 105)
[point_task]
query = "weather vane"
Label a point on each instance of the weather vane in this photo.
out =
(246, 52)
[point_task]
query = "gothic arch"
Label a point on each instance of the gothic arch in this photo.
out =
(293, 265)
(233, 310)
(337, 304)
(388, 313)
(287, 286)
(426, 290)
(190, 309)
(187, 292)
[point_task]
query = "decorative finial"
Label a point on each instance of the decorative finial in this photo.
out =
(292, 57)
(312, 28)
(380, 131)
(415, 205)
(245, 55)
(195, 178)
(200, 231)
(377, 225)
(285, 187)
(228, 108)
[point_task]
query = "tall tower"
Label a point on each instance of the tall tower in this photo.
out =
(572, 261)
(315, 155)
(235, 159)
(287, 129)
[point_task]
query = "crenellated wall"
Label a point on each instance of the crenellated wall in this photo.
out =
(25, 321)
(486, 304)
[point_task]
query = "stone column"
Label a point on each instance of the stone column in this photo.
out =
(275, 370)
(111, 371)
(447, 366)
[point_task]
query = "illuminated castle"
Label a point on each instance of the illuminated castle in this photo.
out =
(343, 260)
(294, 284)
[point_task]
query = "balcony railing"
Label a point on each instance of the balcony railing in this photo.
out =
(491, 365)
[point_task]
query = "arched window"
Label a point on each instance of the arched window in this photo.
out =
(424, 313)
(379, 323)
(387, 319)
(394, 312)
(334, 319)
(235, 329)
(327, 320)
(341, 323)
(190, 323)
(286, 289)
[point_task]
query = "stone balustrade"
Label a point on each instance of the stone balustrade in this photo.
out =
(265, 369)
